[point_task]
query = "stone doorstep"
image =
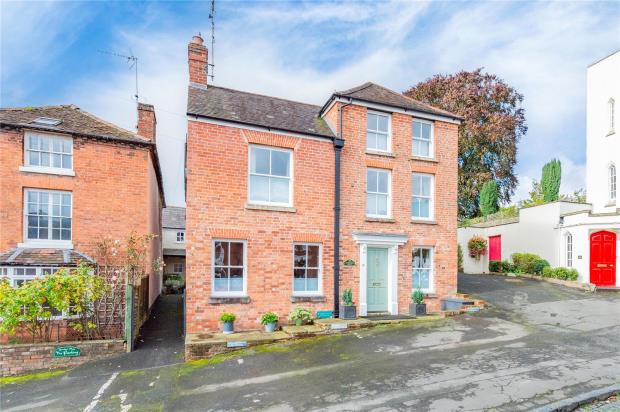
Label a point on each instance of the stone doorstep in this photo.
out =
(205, 345)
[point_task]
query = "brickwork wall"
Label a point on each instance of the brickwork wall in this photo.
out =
(109, 190)
(24, 358)
(216, 208)
(441, 234)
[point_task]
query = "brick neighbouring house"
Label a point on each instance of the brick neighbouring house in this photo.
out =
(262, 212)
(67, 180)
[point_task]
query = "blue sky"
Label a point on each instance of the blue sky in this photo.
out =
(50, 54)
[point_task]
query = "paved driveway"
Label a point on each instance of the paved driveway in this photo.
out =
(537, 344)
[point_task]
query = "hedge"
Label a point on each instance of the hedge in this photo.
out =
(560, 273)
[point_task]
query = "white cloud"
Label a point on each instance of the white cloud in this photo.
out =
(304, 52)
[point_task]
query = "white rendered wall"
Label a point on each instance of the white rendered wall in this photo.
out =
(603, 148)
(536, 232)
(170, 239)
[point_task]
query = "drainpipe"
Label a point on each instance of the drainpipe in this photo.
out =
(338, 145)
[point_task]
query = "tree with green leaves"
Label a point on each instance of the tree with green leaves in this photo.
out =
(493, 124)
(550, 181)
(489, 197)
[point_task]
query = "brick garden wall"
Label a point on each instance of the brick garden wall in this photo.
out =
(24, 358)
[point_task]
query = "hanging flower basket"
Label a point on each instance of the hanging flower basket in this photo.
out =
(477, 246)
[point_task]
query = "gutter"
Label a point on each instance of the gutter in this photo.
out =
(338, 145)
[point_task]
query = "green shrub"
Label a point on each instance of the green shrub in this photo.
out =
(489, 198)
(227, 317)
(524, 262)
(538, 266)
(268, 318)
(495, 266)
(417, 296)
(459, 259)
(300, 313)
(347, 297)
(560, 273)
(507, 267)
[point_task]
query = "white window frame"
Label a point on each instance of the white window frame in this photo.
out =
(612, 181)
(389, 193)
(612, 120)
(431, 145)
(431, 205)
(319, 291)
(569, 249)
(431, 276)
(45, 243)
(244, 292)
(27, 167)
(174, 267)
(180, 236)
(389, 131)
(291, 177)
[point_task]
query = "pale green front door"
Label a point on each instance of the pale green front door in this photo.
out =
(377, 267)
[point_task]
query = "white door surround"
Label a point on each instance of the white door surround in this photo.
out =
(380, 240)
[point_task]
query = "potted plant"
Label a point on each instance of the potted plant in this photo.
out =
(348, 311)
(270, 320)
(418, 307)
(228, 320)
(300, 315)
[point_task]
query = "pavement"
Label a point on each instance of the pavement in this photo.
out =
(536, 344)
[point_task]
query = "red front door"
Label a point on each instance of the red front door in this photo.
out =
(495, 248)
(603, 258)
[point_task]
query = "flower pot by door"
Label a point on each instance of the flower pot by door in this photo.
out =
(417, 309)
(348, 312)
(228, 328)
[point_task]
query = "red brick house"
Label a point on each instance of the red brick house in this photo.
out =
(67, 180)
(270, 181)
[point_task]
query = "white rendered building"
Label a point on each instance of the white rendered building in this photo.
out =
(583, 236)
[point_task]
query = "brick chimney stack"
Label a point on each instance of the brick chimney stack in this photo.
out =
(197, 56)
(147, 124)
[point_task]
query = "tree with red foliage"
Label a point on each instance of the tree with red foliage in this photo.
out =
(494, 122)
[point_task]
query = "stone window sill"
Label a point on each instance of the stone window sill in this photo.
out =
(424, 159)
(47, 170)
(228, 300)
(611, 204)
(381, 219)
(251, 206)
(424, 222)
(308, 298)
(376, 153)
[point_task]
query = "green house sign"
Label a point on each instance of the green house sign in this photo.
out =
(66, 351)
(349, 262)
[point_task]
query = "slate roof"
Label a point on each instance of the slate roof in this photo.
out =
(373, 93)
(73, 121)
(254, 109)
(43, 257)
(173, 217)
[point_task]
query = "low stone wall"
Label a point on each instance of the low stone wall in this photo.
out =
(28, 357)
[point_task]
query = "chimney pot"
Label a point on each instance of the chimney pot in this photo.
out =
(197, 39)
